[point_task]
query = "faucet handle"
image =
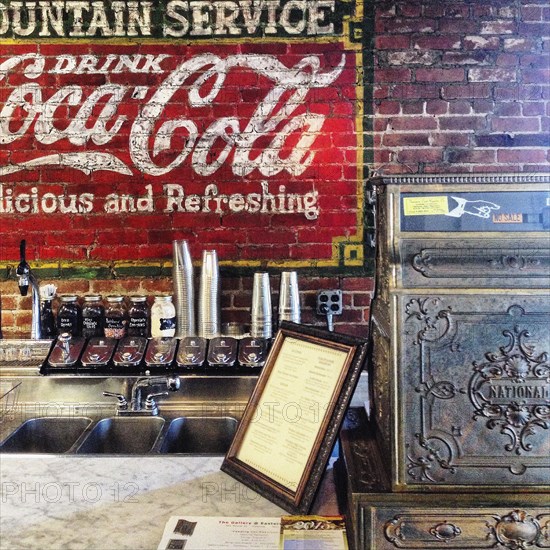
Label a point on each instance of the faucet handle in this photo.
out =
(150, 403)
(173, 383)
(122, 402)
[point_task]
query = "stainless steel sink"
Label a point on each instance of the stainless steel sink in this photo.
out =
(199, 435)
(50, 434)
(69, 414)
(122, 435)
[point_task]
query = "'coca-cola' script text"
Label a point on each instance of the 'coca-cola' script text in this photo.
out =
(197, 83)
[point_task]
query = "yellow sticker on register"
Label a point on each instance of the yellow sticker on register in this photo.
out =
(425, 206)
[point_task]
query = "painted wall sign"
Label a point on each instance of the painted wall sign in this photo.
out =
(172, 19)
(235, 125)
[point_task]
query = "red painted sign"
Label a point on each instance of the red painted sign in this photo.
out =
(110, 151)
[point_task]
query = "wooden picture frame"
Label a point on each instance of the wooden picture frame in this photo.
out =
(291, 422)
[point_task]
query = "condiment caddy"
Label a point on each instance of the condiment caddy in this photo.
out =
(136, 354)
(117, 333)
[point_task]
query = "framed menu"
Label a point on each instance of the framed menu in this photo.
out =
(292, 419)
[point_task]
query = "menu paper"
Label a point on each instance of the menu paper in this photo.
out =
(280, 438)
(240, 533)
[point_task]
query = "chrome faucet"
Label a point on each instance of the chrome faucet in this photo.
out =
(171, 383)
(148, 406)
(26, 279)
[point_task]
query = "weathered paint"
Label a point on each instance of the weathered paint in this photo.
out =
(253, 147)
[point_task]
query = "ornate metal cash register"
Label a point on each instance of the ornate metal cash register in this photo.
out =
(455, 450)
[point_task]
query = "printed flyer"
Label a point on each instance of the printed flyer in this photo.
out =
(275, 533)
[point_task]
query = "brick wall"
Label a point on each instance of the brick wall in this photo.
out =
(242, 149)
(458, 86)
(236, 298)
(462, 87)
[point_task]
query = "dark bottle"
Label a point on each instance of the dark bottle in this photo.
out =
(139, 316)
(93, 316)
(116, 317)
(47, 320)
(69, 316)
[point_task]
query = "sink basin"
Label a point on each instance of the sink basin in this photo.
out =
(122, 435)
(199, 435)
(49, 434)
(200, 418)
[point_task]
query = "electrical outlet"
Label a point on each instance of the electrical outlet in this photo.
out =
(329, 302)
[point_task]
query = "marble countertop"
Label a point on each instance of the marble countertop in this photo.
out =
(56, 502)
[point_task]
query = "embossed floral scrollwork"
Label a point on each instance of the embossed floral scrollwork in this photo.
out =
(443, 389)
(518, 357)
(435, 322)
(518, 262)
(445, 531)
(366, 471)
(434, 462)
(517, 530)
(393, 530)
(511, 391)
(423, 262)
(518, 421)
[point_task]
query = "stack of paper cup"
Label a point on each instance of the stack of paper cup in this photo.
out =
(209, 296)
(184, 293)
(261, 325)
(289, 297)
